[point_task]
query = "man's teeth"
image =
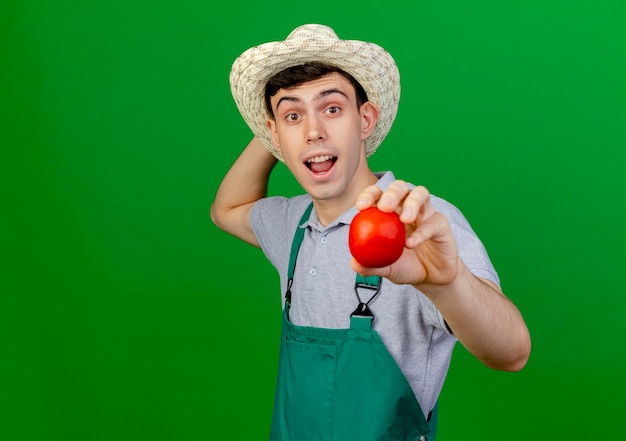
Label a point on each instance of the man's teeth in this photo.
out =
(320, 158)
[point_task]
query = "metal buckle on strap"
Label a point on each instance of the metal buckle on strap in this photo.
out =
(363, 310)
(288, 292)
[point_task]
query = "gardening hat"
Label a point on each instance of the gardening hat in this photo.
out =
(368, 63)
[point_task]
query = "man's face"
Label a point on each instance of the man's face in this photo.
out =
(320, 133)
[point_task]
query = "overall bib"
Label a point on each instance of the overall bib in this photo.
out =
(342, 384)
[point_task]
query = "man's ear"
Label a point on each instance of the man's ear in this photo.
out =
(271, 124)
(369, 117)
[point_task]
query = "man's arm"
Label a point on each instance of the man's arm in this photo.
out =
(481, 317)
(244, 184)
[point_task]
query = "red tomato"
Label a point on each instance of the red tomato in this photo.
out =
(376, 239)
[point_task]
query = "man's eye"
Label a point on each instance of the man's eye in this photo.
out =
(333, 109)
(292, 117)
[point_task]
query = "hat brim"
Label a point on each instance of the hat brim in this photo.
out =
(368, 63)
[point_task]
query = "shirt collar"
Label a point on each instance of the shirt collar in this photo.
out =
(384, 180)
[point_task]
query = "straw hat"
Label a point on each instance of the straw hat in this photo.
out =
(368, 63)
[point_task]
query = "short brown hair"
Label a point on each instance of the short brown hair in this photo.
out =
(303, 73)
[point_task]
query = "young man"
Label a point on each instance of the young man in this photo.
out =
(364, 351)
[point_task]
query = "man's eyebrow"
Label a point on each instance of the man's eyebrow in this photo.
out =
(320, 95)
(325, 93)
(287, 98)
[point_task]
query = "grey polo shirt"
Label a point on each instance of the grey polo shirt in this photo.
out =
(412, 329)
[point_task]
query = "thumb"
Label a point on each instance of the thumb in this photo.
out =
(367, 271)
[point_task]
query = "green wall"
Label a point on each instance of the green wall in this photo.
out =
(126, 315)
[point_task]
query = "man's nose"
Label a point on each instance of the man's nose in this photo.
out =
(315, 129)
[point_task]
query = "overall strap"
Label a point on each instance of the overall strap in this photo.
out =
(295, 247)
(371, 283)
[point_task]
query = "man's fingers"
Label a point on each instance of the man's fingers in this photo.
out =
(392, 197)
(368, 197)
(429, 228)
(414, 203)
(416, 206)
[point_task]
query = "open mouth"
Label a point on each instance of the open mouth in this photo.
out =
(321, 164)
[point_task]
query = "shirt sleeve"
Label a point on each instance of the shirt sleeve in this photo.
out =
(274, 221)
(471, 250)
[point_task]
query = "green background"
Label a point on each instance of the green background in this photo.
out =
(126, 315)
